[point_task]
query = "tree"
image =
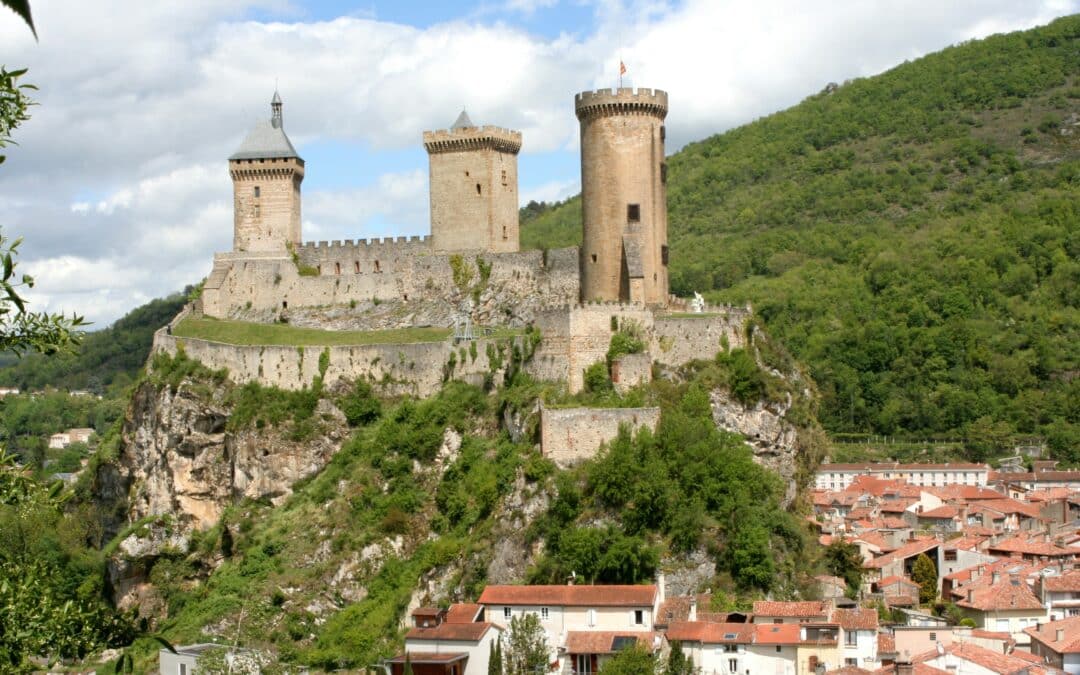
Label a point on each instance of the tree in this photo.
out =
(634, 660)
(495, 658)
(407, 670)
(924, 573)
(678, 663)
(527, 649)
(843, 559)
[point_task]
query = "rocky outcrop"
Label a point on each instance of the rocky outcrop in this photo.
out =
(774, 440)
(178, 458)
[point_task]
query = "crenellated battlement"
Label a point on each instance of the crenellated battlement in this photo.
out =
(364, 245)
(621, 102)
(473, 138)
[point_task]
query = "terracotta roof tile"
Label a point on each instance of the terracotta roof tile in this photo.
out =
(1010, 593)
(886, 643)
(1004, 664)
(1069, 581)
(570, 596)
(889, 581)
(909, 549)
(856, 619)
(805, 609)
(463, 612)
(603, 641)
(711, 633)
(454, 632)
(777, 634)
(1047, 634)
(430, 657)
(1028, 547)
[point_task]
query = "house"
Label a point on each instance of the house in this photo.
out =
(774, 649)
(588, 650)
(1060, 594)
(184, 659)
(965, 657)
(628, 611)
(897, 590)
(858, 637)
(447, 642)
(1058, 643)
(840, 476)
(901, 561)
(715, 647)
(1002, 605)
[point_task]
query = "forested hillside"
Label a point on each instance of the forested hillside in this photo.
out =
(913, 237)
(109, 359)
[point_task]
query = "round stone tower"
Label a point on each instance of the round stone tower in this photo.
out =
(266, 174)
(624, 253)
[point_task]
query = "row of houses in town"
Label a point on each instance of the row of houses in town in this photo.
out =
(62, 439)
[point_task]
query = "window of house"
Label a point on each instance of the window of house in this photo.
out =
(591, 617)
(506, 612)
(950, 555)
(544, 614)
(850, 638)
(639, 617)
(778, 621)
(731, 649)
(584, 664)
(851, 662)
(256, 191)
(633, 213)
(933, 637)
(183, 669)
(777, 649)
(733, 665)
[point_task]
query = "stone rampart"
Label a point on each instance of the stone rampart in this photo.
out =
(416, 368)
(571, 435)
(678, 340)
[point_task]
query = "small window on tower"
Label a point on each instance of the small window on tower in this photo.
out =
(664, 254)
(504, 177)
(505, 237)
(594, 257)
(256, 191)
(256, 211)
(478, 188)
(377, 270)
(663, 172)
(633, 213)
(663, 132)
(337, 268)
(356, 266)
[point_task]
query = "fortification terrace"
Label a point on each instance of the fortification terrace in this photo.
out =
(472, 138)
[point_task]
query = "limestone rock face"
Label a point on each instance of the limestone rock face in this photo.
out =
(178, 458)
(774, 440)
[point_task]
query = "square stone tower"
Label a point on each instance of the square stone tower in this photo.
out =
(266, 174)
(624, 251)
(474, 187)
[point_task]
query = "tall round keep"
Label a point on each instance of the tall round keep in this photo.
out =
(624, 251)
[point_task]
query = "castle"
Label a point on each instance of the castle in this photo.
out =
(470, 267)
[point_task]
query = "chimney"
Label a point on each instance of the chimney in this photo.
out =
(661, 586)
(971, 595)
(693, 609)
(1059, 635)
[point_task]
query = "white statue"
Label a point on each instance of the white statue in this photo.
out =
(697, 305)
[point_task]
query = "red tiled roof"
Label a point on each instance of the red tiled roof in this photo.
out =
(603, 641)
(849, 670)
(908, 550)
(856, 619)
(1010, 593)
(1026, 655)
(964, 492)
(711, 633)
(809, 608)
(1069, 581)
(1007, 505)
(889, 581)
(777, 634)
(896, 466)
(1027, 547)
(454, 632)
(994, 661)
(427, 611)
(990, 634)
(886, 643)
(900, 600)
(943, 512)
(677, 608)
(570, 596)
(463, 612)
(1047, 635)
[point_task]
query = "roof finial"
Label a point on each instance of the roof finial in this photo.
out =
(275, 110)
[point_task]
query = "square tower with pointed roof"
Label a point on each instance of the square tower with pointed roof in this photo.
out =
(266, 173)
(474, 187)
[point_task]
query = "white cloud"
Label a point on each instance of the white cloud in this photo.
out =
(121, 172)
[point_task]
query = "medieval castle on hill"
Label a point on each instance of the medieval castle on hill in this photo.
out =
(470, 266)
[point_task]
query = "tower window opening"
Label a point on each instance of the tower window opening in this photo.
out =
(256, 211)
(356, 266)
(504, 176)
(504, 233)
(284, 304)
(256, 191)
(663, 172)
(318, 269)
(664, 254)
(377, 270)
(593, 257)
(633, 213)
(466, 174)
(337, 268)
(663, 132)
(478, 188)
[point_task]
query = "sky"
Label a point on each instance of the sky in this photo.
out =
(119, 184)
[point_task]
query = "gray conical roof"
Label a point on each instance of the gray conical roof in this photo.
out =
(267, 140)
(463, 121)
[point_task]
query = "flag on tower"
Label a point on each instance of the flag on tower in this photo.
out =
(622, 68)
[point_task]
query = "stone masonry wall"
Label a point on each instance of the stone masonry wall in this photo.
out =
(571, 435)
(417, 286)
(397, 369)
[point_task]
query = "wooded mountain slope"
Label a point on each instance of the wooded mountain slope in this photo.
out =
(913, 237)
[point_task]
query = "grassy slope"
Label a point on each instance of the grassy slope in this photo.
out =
(912, 236)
